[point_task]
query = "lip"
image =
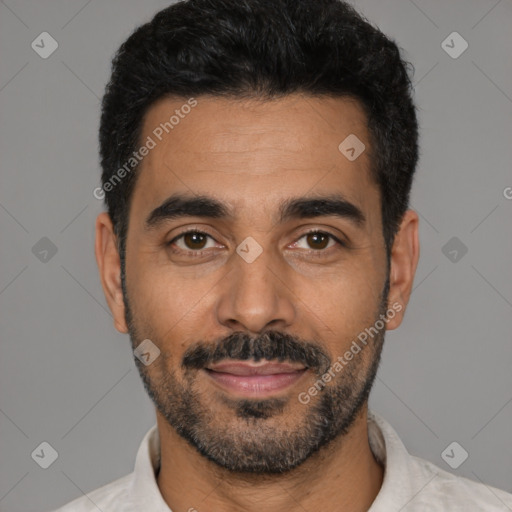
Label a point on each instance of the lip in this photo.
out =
(251, 368)
(251, 379)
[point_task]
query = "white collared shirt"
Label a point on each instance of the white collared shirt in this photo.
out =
(411, 484)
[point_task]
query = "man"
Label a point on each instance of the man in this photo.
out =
(257, 161)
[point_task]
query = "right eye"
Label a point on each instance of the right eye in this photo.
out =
(191, 241)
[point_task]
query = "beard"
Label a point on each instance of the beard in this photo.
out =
(259, 436)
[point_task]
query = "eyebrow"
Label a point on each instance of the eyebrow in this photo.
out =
(181, 205)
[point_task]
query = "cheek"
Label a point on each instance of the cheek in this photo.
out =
(342, 303)
(168, 306)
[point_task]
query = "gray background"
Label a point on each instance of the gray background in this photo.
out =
(68, 378)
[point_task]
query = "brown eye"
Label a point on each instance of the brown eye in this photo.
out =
(192, 241)
(318, 240)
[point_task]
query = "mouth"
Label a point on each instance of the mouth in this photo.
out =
(255, 379)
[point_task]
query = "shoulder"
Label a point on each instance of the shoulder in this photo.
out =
(414, 484)
(108, 498)
(447, 491)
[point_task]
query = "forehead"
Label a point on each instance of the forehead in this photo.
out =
(243, 150)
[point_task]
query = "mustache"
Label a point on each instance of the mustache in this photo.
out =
(269, 346)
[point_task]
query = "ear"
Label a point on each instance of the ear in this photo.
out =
(405, 254)
(109, 265)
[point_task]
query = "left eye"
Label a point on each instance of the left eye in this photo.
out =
(317, 240)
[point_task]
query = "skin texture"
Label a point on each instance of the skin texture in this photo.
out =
(252, 155)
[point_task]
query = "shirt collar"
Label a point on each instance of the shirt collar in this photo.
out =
(144, 493)
(400, 483)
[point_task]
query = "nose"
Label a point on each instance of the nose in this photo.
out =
(255, 295)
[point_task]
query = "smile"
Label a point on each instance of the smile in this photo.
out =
(251, 379)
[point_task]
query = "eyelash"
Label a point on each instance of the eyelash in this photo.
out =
(316, 252)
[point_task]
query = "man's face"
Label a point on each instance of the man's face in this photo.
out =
(302, 300)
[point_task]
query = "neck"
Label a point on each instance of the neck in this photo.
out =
(343, 475)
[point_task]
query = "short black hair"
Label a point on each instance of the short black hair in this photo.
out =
(262, 49)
